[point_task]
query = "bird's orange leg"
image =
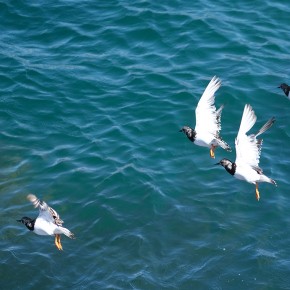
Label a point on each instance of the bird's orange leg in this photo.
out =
(257, 192)
(57, 242)
(211, 152)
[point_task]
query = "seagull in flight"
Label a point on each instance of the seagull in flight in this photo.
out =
(208, 121)
(48, 222)
(248, 152)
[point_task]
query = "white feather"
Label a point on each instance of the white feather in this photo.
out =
(205, 112)
(247, 150)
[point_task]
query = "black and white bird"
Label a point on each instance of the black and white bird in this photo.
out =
(285, 88)
(48, 222)
(248, 152)
(208, 121)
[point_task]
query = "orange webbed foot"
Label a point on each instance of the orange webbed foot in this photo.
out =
(257, 192)
(211, 152)
(57, 242)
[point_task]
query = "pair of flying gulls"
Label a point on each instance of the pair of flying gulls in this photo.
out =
(248, 147)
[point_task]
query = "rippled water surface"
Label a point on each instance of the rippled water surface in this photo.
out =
(92, 96)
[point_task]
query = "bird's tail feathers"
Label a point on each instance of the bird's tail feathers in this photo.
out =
(66, 232)
(264, 178)
(273, 182)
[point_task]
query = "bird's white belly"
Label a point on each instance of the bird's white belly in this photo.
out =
(204, 140)
(43, 227)
(247, 173)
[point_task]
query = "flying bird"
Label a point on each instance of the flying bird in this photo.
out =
(285, 89)
(208, 121)
(48, 222)
(248, 152)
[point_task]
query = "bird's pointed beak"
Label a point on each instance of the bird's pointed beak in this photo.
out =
(279, 87)
(180, 130)
(217, 163)
(19, 221)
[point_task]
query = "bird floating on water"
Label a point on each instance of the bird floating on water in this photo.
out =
(285, 88)
(48, 221)
(208, 121)
(248, 151)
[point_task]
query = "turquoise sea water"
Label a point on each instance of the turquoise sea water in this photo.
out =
(92, 95)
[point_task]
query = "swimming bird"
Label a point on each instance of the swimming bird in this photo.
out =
(285, 88)
(208, 121)
(48, 221)
(248, 152)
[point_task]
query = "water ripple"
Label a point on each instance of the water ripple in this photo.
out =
(92, 98)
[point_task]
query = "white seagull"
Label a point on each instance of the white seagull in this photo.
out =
(208, 121)
(48, 222)
(248, 151)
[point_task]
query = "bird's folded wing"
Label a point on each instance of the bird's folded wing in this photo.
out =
(247, 147)
(205, 112)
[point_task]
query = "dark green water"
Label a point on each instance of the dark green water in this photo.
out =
(92, 95)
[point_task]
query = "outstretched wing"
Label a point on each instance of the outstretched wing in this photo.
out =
(45, 210)
(207, 119)
(248, 148)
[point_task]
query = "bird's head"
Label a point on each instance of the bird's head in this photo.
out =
(185, 129)
(225, 162)
(285, 88)
(28, 222)
(229, 166)
(189, 132)
(282, 86)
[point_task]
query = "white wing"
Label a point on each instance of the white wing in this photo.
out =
(205, 112)
(248, 148)
(45, 211)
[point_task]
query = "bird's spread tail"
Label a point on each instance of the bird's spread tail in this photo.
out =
(65, 231)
